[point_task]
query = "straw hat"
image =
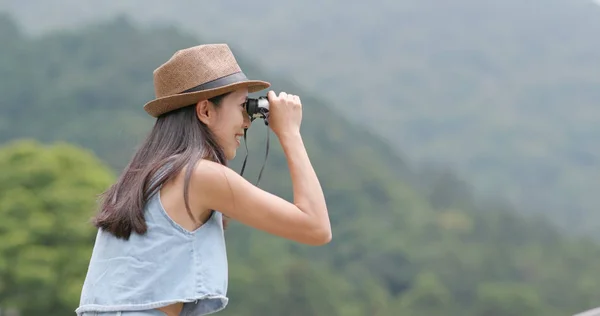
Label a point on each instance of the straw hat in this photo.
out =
(197, 73)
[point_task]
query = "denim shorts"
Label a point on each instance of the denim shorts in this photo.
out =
(150, 312)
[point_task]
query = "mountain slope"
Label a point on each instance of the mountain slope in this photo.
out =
(504, 92)
(395, 251)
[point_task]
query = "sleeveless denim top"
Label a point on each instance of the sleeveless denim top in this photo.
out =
(166, 265)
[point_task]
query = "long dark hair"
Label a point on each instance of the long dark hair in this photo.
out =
(177, 140)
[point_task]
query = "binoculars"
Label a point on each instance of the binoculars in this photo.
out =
(258, 108)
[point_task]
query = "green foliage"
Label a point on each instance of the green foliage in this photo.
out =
(400, 246)
(47, 195)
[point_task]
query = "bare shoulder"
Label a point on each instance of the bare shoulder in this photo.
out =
(213, 178)
(210, 170)
(224, 189)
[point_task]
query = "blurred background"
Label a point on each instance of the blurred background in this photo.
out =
(456, 141)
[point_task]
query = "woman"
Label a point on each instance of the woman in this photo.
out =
(160, 247)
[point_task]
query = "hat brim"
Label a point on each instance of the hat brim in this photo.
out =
(160, 106)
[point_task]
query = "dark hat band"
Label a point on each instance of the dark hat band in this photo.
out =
(219, 82)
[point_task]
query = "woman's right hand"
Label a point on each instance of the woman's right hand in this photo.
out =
(285, 113)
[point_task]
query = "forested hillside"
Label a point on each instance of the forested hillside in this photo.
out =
(505, 92)
(396, 250)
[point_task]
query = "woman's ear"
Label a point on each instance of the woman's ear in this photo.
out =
(204, 112)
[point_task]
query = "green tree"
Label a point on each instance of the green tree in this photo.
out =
(502, 299)
(428, 296)
(47, 194)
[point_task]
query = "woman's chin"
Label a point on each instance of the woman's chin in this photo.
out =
(230, 154)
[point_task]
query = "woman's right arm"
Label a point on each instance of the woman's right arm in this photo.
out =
(306, 220)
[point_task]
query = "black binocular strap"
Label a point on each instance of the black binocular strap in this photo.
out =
(246, 158)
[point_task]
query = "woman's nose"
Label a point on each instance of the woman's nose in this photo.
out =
(247, 121)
